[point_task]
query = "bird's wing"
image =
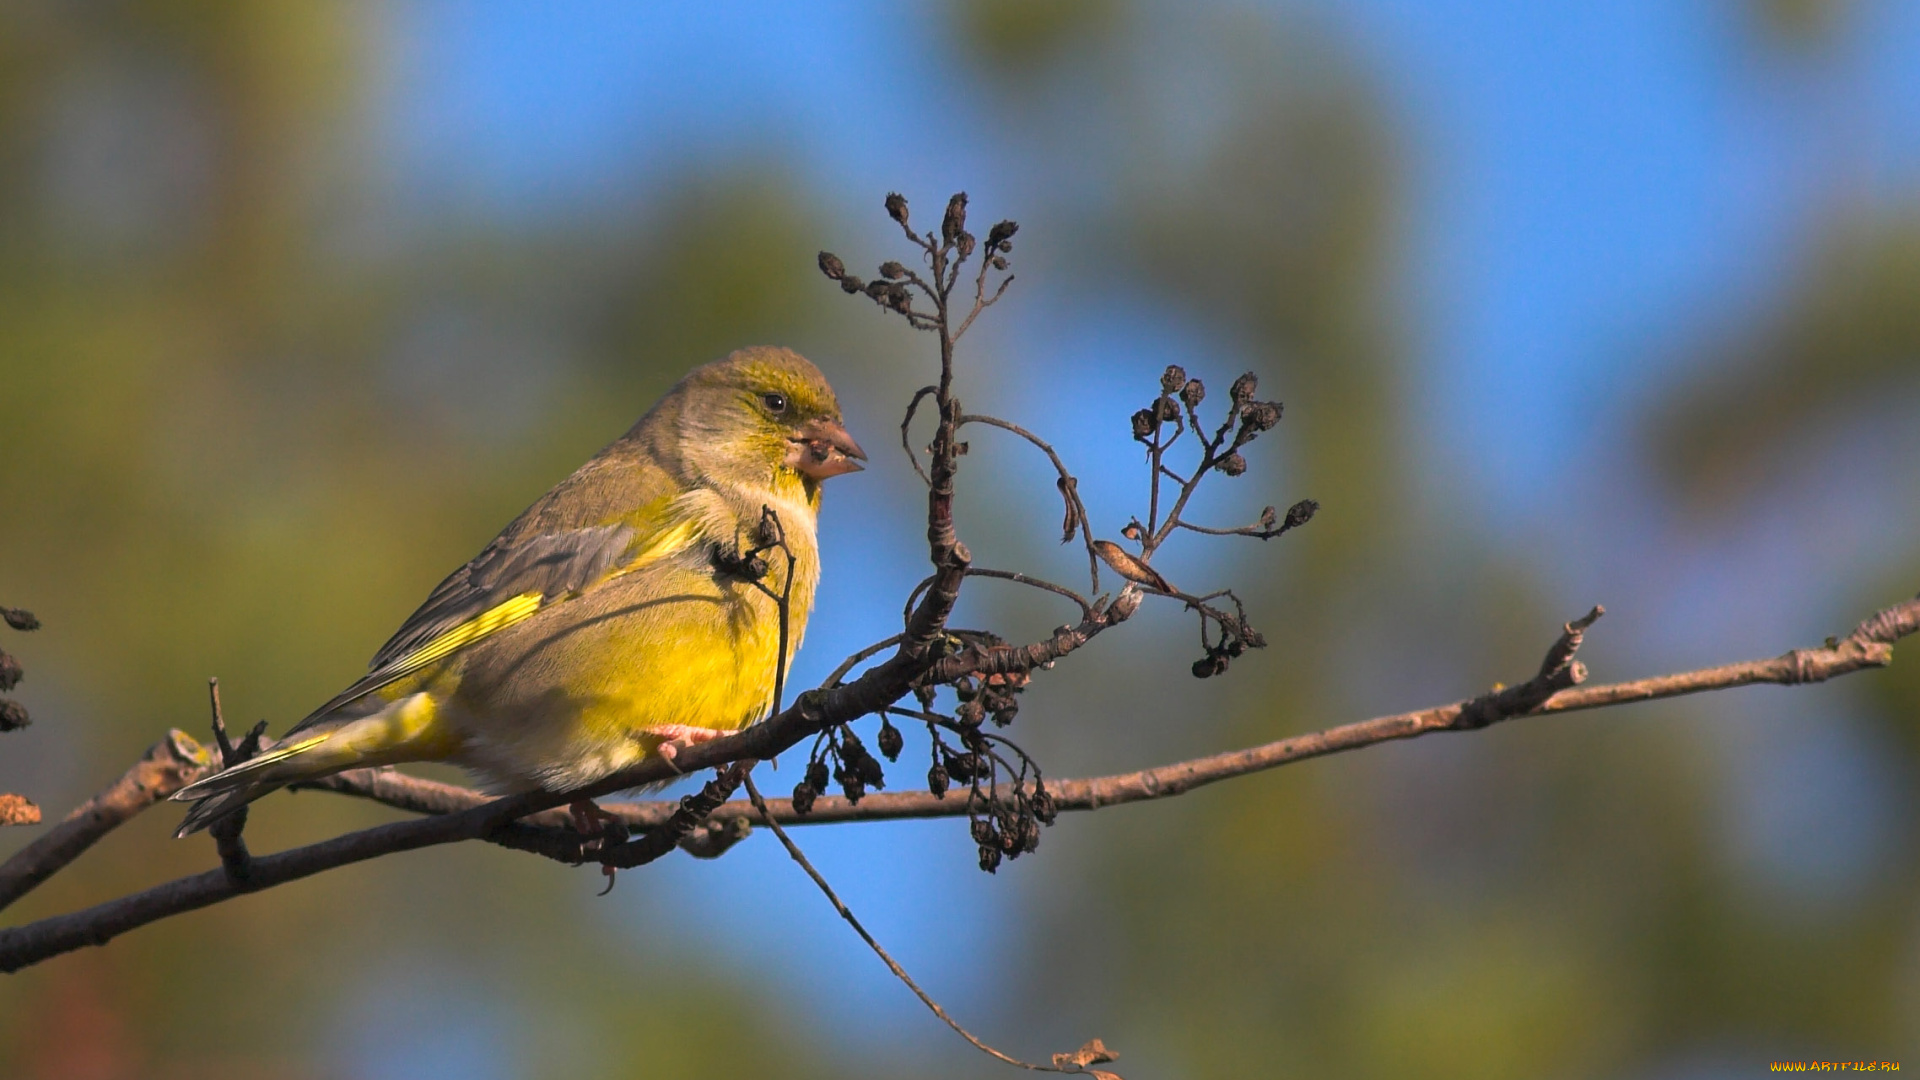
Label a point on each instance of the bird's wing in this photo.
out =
(517, 576)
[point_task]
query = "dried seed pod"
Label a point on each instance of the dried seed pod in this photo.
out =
(989, 858)
(817, 775)
(831, 265)
(983, 832)
(955, 221)
(999, 262)
(1243, 388)
(1209, 666)
(1260, 416)
(803, 796)
(1143, 424)
(1172, 379)
(890, 740)
(1301, 512)
(13, 715)
(1013, 837)
(897, 207)
(1233, 464)
(1193, 393)
(851, 284)
(1005, 715)
(852, 787)
(938, 781)
(1044, 808)
(970, 713)
(9, 671)
(924, 695)
(966, 245)
(1166, 410)
(19, 618)
(1001, 232)
(891, 269)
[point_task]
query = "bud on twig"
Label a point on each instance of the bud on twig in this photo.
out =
(831, 265)
(1173, 379)
(955, 222)
(1233, 464)
(1243, 388)
(1193, 393)
(1259, 416)
(897, 207)
(1002, 232)
(1144, 422)
(803, 797)
(892, 269)
(1301, 512)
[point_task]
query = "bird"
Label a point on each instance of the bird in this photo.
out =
(632, 610)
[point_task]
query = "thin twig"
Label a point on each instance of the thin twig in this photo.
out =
(1069, 485)
(234, 856)
(1086, 608)
(766, 815)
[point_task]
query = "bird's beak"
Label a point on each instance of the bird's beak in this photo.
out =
(822, 448)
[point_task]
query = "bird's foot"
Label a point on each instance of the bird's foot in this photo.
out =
(678, 737)
(599, 826)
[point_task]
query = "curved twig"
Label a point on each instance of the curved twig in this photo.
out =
(1086, 608)
(1069, 485)
(906, 433)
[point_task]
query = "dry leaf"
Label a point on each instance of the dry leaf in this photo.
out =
(1094, 1052)
(18, 810)
(1130, 567)
(1072, 520)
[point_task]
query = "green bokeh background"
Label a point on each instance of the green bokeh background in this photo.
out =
(253, 409)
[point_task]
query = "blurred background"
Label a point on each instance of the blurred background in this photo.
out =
(1568, 303)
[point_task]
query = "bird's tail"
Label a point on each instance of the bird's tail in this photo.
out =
(302, 757)
(403, 731)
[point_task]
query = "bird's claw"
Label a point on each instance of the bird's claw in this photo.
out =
(677, 737)
(597, 825)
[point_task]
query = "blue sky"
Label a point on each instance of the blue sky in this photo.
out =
(1586, 178)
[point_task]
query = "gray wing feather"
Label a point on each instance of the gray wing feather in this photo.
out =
(552, 564)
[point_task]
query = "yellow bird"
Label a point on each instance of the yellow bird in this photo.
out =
(616, 618)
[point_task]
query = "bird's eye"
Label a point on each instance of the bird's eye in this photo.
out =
(774, 401)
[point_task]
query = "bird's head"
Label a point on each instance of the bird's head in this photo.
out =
(764, 417)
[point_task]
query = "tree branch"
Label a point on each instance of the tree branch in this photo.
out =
(464, 815)
(166, 767)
